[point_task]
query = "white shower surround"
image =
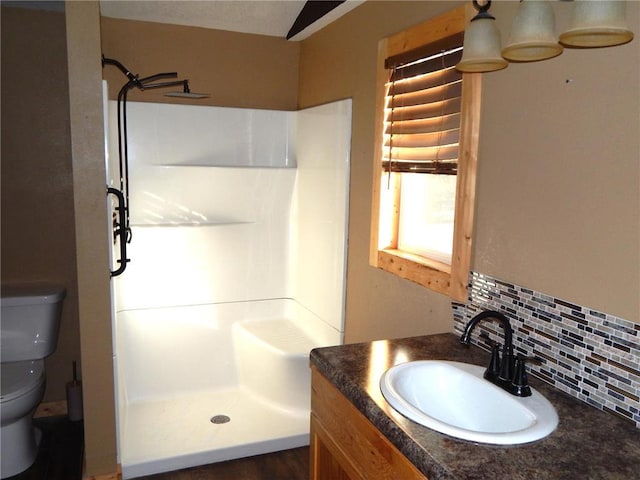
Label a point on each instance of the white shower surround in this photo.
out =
(239, 221)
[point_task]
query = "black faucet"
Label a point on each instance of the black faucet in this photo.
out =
(505, 370)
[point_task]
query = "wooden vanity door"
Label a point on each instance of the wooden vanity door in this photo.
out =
(345, 445)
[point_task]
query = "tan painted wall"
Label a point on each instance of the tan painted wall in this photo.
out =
(92, 239)
(38, 233)
(559, 182)
(236, 69)
(558, 204)
(548, 230)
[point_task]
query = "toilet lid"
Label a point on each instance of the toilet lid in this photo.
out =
(18, 378)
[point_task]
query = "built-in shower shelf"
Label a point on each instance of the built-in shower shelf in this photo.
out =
(190, 224)
(220, 165)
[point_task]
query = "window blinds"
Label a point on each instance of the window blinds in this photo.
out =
(423, 101)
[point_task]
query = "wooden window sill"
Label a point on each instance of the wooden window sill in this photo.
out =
(421, 270)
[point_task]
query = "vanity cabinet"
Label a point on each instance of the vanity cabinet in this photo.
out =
(345, 445)
(354, 433)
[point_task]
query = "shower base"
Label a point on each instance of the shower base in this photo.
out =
(180, 367)
(164, 435)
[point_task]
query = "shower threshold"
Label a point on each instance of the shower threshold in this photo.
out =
(202, 428)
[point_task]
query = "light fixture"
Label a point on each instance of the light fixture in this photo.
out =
(481, 51)
(597, 23)
(533, 36)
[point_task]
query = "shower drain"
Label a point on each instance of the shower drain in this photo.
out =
(218, 419)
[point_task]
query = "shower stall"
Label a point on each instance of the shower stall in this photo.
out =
(237, 268)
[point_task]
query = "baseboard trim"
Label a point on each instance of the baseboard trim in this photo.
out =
(105, 476)
(51, 409)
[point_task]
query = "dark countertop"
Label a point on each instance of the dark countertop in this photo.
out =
(588, 443)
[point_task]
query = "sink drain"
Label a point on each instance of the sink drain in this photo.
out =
(218, 419)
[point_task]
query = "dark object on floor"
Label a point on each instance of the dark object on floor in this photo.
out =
(60, 453)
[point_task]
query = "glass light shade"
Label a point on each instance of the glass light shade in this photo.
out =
(481, 51)
(597, 24)
(533, 34)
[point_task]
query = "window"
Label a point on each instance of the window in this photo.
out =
(426, 155)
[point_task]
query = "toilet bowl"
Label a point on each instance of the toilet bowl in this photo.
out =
(29, 333)
(23, 386)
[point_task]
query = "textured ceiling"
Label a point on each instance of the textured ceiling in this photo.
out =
(264, 17)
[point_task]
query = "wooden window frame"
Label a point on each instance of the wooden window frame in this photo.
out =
(451, 279)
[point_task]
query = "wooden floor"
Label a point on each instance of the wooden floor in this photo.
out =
(287, 465)
(60, 458)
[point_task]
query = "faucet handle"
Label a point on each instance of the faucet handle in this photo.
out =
(530, 360)
(520, 383)
(493, 371)
(507, 363)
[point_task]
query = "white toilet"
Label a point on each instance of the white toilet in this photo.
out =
(29, 324)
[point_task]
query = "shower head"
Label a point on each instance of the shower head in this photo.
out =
(186, 93)
(151, 82)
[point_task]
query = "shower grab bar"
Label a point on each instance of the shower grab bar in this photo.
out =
(120, 231)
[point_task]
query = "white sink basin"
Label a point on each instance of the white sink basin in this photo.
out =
(453, 398)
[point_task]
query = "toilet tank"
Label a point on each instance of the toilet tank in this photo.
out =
(29, 321)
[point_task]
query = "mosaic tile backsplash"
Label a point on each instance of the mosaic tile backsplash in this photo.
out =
(590, 355)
